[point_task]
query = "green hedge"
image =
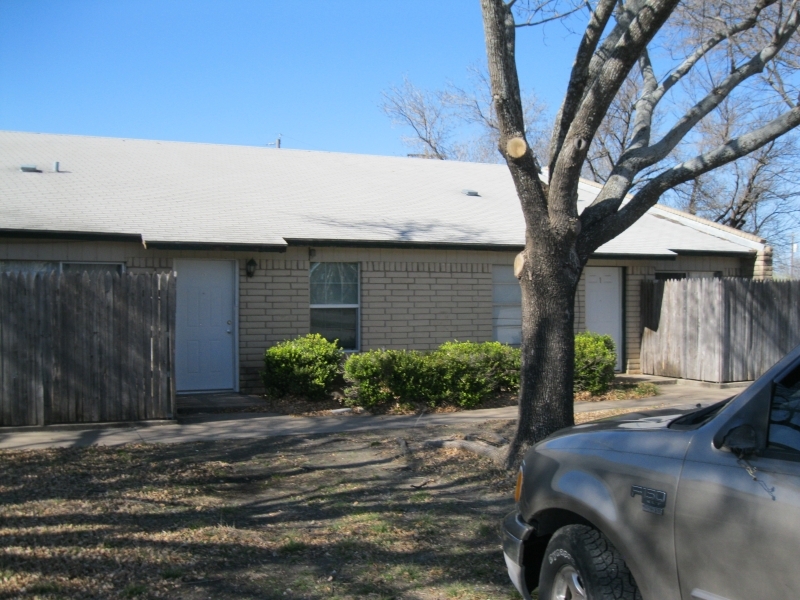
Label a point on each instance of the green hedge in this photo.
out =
(306, 366)
(461, 373)
(595, 359)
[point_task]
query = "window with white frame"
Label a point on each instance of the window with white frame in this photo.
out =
(334, 302)
(506, 306)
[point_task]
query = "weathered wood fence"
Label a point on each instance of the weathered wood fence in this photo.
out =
(78, 348)
(717, 330)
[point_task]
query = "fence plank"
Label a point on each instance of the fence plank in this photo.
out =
(6, 363)
(22, 307)
(43, 347)
(171, 307)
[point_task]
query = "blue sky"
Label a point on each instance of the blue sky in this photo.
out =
(241, 72)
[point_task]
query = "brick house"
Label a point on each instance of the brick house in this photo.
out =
(379, 252)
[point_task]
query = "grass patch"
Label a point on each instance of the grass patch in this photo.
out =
(153, 521)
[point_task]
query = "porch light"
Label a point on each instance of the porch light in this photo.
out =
(250, 267)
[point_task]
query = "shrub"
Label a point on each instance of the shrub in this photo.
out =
(382, 376)
(595, 360)
(306, 366)
(470, 372)
(461, 373)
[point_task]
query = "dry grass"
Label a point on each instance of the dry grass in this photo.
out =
(336, 516)
(319, 517)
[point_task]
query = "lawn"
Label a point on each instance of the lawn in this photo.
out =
(329, 516)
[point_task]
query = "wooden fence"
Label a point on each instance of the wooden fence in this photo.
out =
(79, 348)
(717, 330)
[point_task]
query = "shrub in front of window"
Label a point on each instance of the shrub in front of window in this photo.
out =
(306, 366)
(383, 376)
(595, 359)
(460, 373)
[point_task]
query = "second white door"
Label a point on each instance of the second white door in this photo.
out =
(604, 304)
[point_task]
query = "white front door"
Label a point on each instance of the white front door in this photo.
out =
(604, 304)
(205, 350)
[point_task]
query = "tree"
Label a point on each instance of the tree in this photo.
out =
(757, 193)
(731, 44)
(457, 123)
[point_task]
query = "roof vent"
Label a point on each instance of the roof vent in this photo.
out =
(470, 193)
(29, 169)
(56, 167)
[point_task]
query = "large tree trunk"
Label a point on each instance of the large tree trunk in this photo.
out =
(548, 279)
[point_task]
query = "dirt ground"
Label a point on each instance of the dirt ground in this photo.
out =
(293, 405)
(332, 516)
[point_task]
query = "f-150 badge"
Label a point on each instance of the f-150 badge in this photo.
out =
(653, 501)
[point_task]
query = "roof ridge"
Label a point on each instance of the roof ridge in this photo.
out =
(248, 146)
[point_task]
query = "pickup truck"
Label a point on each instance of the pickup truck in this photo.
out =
(664, 505)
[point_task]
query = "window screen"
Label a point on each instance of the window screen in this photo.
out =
(506, 306)
(334, 291)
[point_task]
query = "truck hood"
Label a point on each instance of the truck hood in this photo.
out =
(644, 432)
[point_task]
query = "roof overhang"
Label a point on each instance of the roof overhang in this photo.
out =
(171, 245)
(416, 245)
(95, 236)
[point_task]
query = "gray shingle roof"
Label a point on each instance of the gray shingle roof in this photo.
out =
(175, 192)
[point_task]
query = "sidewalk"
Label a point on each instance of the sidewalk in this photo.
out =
(249, 425)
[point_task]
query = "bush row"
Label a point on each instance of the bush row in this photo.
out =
(460, 373)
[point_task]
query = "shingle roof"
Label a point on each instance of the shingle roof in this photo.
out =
(176, 192)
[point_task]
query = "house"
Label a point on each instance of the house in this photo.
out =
(378, 252)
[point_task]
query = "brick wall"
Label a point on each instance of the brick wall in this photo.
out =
(421, 305)
(273, 306)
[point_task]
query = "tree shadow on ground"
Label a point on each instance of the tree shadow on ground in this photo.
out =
(346, 516)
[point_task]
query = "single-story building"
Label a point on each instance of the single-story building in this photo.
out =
(376, 251)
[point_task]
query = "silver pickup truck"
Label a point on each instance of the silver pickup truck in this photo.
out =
(664, 505)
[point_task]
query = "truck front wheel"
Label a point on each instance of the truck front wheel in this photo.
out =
(580, 563)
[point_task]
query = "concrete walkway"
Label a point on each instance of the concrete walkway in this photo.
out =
(254, 425)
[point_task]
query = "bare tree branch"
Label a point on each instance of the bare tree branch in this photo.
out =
(423, 112)
(579, 78)
(600, 232)
(568, 164)
(556, 16)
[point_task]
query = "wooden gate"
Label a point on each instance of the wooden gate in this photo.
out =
(80, 348)
(717, 330)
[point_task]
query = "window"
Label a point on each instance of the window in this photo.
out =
(335, 302)
(506, 306)
(666, 276)
(784, 416)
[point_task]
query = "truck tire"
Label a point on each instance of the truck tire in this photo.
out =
(580, 563)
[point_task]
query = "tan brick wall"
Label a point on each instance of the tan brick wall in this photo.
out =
(273, 306)
(421, 305)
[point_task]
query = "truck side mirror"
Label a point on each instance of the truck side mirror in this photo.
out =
(741, 440)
